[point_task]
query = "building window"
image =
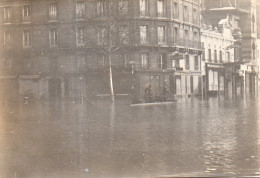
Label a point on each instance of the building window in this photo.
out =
(53, 11)
(186, 37)
(203, 56)
(215, 55)
(162, 63)
(26, 39)
(177, 63)
(228, 56)
(176, 35)
(209, 55)
(191, 84)
(26, 13)
(253, 22)
(144, 61)
(7, 39)
(175, 10)
(187, 62)
(195, 16)
(103, 61)
(220, 56)
(80, 36)
(161, 35)
(27, 65)
(80, 10)
(5, 65)
(161, 8)
(185, 13)
(196, 63)
(124, 58)
(124, 34)
(101, 7)
(53, 65)
(123, 6)
(195, 36)
(186, 33)
(53, 37)
(7, 14)
(101, 36)
(253, 50)
(143, 34)
(213, 80)
(80, 63)
(144, 7)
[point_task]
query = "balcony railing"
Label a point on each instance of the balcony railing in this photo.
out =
(188, 43)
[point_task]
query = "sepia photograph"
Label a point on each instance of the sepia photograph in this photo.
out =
(129, 88)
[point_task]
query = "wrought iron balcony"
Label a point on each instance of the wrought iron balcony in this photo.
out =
(188, 43)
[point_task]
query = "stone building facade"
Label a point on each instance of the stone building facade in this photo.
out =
(56, 48)
(242, 17)
(220, 60)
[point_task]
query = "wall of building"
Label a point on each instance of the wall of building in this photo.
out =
(221, 41)
(68, 61)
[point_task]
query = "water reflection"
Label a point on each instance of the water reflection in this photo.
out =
(104, 139)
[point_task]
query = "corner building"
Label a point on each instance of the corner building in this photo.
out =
(57, 48)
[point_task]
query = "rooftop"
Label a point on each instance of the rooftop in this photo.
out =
(230, 9)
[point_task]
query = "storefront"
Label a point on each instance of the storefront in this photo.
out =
(156, 80)
(215, 79)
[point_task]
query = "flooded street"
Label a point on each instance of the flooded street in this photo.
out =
(101, 139)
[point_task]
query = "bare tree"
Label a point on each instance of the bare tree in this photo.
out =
(112, 36)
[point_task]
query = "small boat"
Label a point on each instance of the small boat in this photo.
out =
(155, 103)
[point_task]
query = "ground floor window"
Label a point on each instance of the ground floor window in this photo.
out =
(213, 80)
(191, 85)
(178, 85)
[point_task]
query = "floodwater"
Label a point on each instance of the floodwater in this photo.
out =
(96, 139)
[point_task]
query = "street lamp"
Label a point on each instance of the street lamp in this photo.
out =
(133, 90)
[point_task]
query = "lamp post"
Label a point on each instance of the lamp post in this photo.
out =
(133, 89)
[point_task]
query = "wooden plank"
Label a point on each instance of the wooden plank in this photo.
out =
(150, 104)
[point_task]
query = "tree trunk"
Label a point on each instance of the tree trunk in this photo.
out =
(111, 80)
